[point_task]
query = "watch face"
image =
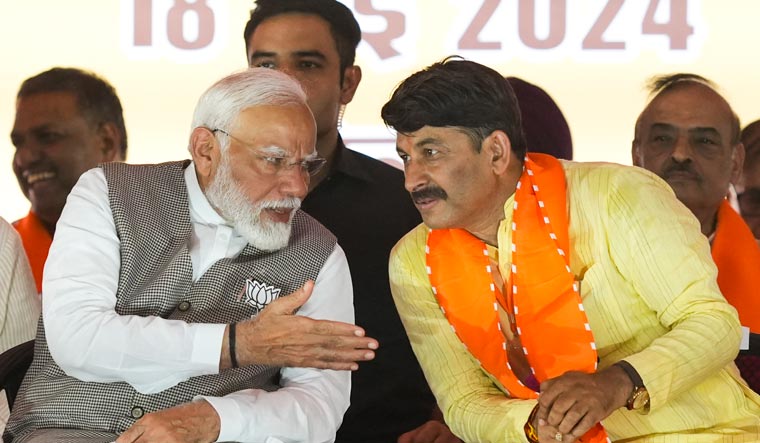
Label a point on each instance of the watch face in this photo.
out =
(640, 399)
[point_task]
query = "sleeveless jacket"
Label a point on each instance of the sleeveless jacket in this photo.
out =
(151, 213)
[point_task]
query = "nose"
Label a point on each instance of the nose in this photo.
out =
(294, 182)
(26, 155)
(415, 176)
(681, 150)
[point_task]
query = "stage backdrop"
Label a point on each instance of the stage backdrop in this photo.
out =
(592, 56)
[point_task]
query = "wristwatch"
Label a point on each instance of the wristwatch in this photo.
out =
(638, 400)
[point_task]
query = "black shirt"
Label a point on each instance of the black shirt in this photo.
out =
(364, 203)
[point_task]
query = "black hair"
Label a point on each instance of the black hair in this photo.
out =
(343, 25)
(95, 97)
(457, 93)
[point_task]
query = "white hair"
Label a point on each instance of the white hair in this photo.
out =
(220, 105)
(229, 200)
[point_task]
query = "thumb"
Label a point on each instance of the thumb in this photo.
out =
(293, 301)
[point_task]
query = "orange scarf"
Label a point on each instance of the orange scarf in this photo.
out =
(36, 240)
(548, 312)
(737, 257)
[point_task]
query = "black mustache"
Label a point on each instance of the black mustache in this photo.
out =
(680, 167)
(429, 192)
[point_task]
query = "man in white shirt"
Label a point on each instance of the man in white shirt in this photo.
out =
(19, 301)
(158, 279)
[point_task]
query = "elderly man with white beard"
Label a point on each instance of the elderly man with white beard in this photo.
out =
(162, 321)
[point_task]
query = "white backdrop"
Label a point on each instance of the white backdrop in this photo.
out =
(592, 56)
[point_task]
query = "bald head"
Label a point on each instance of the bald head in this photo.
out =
(689, 136)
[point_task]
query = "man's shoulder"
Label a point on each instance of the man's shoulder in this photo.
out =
(412, 244)
(178, 165)
(127, 178)
(603, 177)
(311, 228)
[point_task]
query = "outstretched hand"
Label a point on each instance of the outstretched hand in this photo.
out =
(278, 337)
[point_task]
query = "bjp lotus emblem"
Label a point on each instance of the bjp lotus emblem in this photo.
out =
(259, 295)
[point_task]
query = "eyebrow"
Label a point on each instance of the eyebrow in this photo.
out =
(280, 152)
(663, 126)
(304, 53)
(273, 150)
(705, 130)
(47, 126)
(428, 141)
(697, 130)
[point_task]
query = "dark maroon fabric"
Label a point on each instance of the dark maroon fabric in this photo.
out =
(749, 366)
(546, 129)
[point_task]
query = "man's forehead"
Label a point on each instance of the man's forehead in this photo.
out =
(688, 112)
(46, 109)
(429, 135)
(278, 34)
(48, 100)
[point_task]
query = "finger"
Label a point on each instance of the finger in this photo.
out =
(558, 409)
(571, 419)
(334, 328)
(551, 434)
(548, 433)
(588, 422)
(342, 362)
(425, 433)
(131, 435)
(548, 393)
(292, 302)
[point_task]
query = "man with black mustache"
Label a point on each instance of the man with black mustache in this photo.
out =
(589, 283)
(689, 136)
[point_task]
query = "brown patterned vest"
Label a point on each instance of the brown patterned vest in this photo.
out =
(151, 213)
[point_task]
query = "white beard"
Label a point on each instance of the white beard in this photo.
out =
(225, 196)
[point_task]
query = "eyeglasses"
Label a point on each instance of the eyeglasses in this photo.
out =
(275, 164)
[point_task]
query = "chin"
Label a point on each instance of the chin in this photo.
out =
(268, 236)
(437, 223)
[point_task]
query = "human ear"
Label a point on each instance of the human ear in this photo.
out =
(737, 162)
(352, 75)
(499, 148)
(636, 154)
(110, 138)
(206, 153)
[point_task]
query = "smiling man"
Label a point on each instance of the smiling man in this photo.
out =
(689, 136)
(165, 316)
(67, 121)
(586, 282)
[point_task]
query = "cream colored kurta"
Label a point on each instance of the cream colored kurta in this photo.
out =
(649, 290)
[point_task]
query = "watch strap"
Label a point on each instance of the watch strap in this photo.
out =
(632, 374)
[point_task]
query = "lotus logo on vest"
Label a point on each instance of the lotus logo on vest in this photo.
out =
(259, 295)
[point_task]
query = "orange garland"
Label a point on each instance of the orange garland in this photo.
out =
(548, 312)
(737, 257)
(36, 240)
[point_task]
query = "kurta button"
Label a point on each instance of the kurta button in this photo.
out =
(184, 306)
(137, 412)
